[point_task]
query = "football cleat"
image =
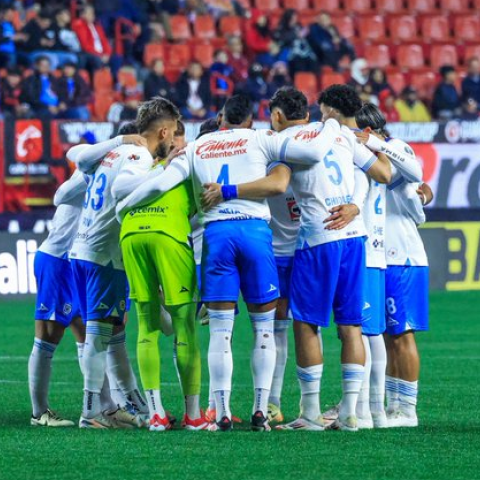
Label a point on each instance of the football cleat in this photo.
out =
(125, 419)
(399, 419)
(100, 422)
(159, 424)
(302, 423)
(224, 425)
(379, 419)
(259, 422)
(365, 423)
(331, 415)
(274, 413)
(211, 416)
(348, 424)
(200, 423)
(50, 419)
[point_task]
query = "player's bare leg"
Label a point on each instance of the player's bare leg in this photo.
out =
(404, 369)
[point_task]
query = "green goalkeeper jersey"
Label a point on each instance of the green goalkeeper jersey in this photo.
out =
(168, 214)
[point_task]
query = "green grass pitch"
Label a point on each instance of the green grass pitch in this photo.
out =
(445, 446)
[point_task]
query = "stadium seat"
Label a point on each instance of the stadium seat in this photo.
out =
(377, 56)
(102, 103)
(371, 27)
(454, 5)
(247, 4)
(230, 25)
(424, 82)
(471, 51)
(172, 74)
(410, 56)
(267, 5)
(345, 25)
(307, 83)
(203, 53)
(331, 78)
(153, 51)
(127, 77)
(85, 75)
(422, 6)
(443, 55)
(402, 27)
(103, 80)
(357, 6)
(296, 4)
(396, 81)
(307, 18)
(180, 27)
(467, 27)
(332, 6)
(436, 28)
(204, 27)
(178, 55)
(389, 6)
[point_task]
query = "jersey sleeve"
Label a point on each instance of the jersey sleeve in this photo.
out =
(136, 168)
(86, 157)
(361, 188)
(411, 202)
(70, 191)
(401, 155)
(363, 158)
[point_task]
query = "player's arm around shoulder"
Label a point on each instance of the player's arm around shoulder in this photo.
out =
(375, 164)
(70, 190)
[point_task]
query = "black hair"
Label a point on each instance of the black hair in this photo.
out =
(154, 110)
(287, 16)
(129, 128)
(237, 109)
(208, 126)
(445, 70)
(180, 131)
(291, 101)
(41, 58)
(371, 116)
(343, 98)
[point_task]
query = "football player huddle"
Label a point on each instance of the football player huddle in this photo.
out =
(303, 220)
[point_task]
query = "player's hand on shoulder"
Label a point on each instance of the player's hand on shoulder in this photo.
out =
(341, 216)
(211, 196)
(331, 113)
(425, 193)
(134, 139)
(174, 153)
(362, 137)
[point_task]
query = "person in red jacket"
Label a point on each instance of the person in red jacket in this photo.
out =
(258, 37)
(94, 43)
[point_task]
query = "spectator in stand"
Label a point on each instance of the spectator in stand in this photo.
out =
(327, 43)
(256, 87)
(73, 94)
(471, 83)
(469, 110)
(93, 41)
(278, 77)
(38, 90)
(411, 108)
(8, 37)
(236, 59)
(378, 81)
(359, 74)
(194, 97)
(220, 8)
(221, 71)
(156, 83)
(386, 100)
(446, 102)
(67, 45)
(10, 91)
(126, 109)
(258, 37)
(288, 30)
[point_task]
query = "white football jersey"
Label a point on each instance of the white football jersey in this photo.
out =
(66, 219)
(97, 239)
(327, 184)
(403, 243)
(197, 239)
(285, 223)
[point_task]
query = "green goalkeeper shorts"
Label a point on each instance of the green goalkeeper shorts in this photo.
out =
(154, 260)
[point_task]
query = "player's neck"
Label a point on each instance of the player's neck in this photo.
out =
(349, 122)
(152, 143)
(294, 123)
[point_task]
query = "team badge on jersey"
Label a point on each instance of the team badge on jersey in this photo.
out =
(294, 209)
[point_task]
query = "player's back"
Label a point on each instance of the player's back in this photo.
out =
(323, 186)
(97, 239)
(231, 157)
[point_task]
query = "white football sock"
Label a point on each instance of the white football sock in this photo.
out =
(407, 396)
(211, 397)
(263, 358)
(281, 328)
(115, 392)
(220, 361)
(391, 391)
(119, 364)
(378, 354)
(363, 402)
(192, 406)
(95, 365)
(39, 371)
(352, 378)
(107, 401)
(80, 349)
(154, 401)
(309, 379)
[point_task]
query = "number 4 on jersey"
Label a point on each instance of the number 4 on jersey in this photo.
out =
(223, 177)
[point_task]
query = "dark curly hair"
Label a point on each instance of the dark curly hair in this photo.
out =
(129, 128)
(292, 102)
(343, 98)
(156, 109)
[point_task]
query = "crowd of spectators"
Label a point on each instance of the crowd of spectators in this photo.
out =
(48, 63)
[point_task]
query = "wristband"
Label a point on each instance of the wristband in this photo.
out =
(229, 192)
